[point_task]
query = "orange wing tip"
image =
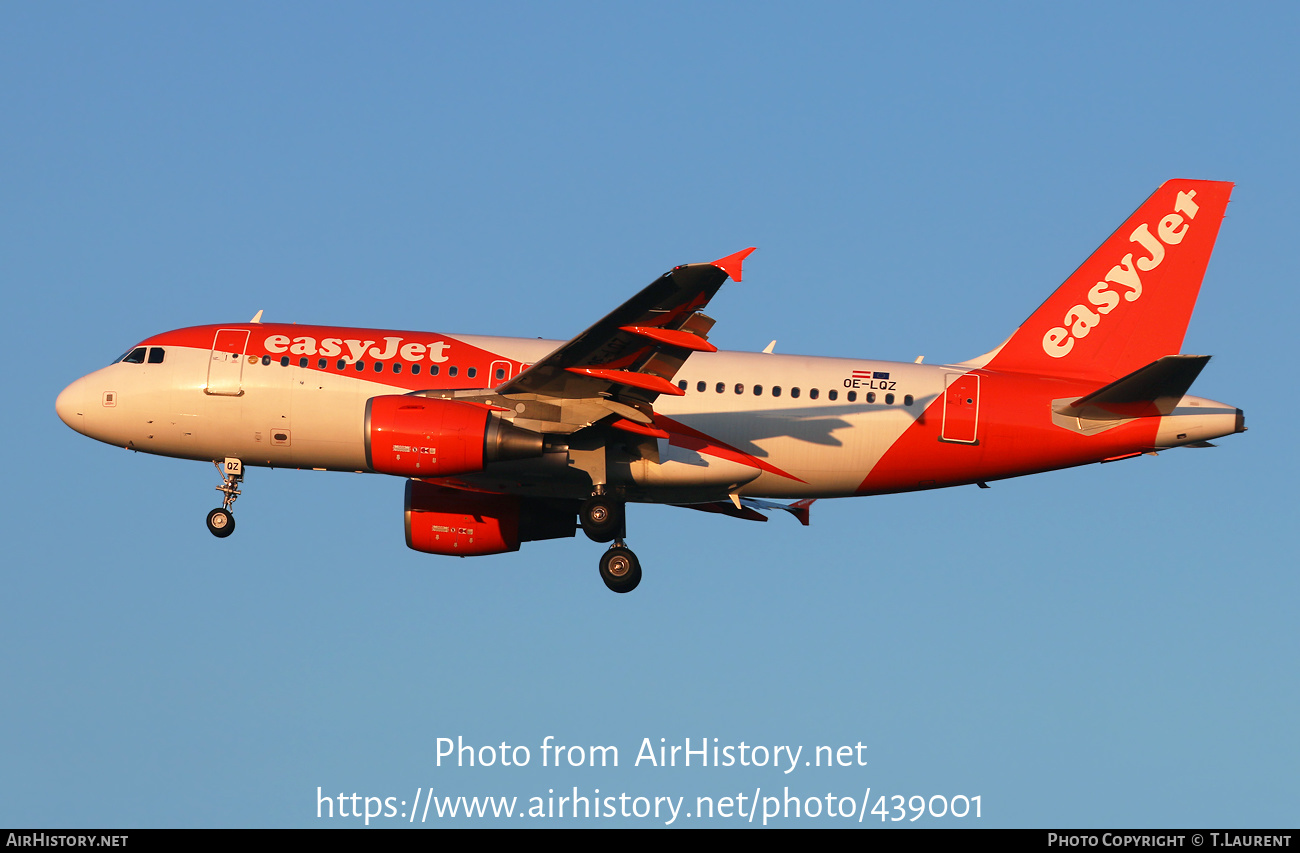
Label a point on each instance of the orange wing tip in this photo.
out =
(731, 263)
(648, 381)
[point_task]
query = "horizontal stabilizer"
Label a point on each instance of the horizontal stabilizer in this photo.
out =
(1146, 392)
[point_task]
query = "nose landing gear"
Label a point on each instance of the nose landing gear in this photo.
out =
(221, 522)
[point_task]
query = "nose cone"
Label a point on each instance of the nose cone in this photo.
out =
(71, 405)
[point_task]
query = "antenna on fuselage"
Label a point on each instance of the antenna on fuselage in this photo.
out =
(768, 349)
(257, 318)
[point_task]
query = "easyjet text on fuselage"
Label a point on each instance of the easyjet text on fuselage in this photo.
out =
(353, 349)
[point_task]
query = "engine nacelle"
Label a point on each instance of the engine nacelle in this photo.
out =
(458, 523)
(427, 437)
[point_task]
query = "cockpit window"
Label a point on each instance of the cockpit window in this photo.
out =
(156, 355)
(135, 356)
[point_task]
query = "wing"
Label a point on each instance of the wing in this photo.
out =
(632, 355)
(748, 508)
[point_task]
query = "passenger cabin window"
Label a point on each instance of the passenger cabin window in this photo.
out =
(379, 367)
(284, 361)
(740, 388)
(415, 370)
(794, 392)
(907, 401)
(871, 396)
(758, 390)
(832, 395)
(681, 384)
(156, 355)
(266, 359)
(853, 396)
(451, 371)
(700, 386)
(433, 370)
(397, 367)
(889, 399)
(722, 386)
(342, 364)
(302, 362)
(322, 363)
(501, 373)
(472, 372)
(813, 393)
(776, 390)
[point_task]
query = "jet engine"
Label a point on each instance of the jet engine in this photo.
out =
(427, 437)
(460, 523)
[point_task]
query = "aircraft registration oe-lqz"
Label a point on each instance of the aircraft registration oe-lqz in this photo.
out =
(507, 440)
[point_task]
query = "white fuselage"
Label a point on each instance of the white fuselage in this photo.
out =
(775, 425)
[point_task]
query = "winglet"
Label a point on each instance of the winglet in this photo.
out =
(731, 263)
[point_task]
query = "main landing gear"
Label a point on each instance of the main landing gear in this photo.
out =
(221, 522)
(619, 568)
(604, 520)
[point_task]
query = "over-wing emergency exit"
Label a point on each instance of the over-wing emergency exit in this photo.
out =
(503, 441)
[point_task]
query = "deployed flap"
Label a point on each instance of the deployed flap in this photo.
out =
(1146, 392)
(633, 353)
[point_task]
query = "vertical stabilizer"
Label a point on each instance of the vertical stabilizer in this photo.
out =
(1130, 302)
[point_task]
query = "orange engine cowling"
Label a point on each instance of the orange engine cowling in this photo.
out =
(458, 523)
(427, 437)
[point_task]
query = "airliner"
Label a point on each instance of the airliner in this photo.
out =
(502, 441)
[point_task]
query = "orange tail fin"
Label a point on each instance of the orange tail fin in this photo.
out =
(1130, 302)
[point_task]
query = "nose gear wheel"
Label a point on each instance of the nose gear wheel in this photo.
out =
(221, 521)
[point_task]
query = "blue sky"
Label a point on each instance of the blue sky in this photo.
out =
(1104, 646)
